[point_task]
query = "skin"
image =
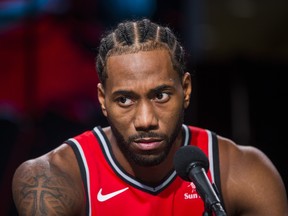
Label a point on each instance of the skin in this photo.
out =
(251, 185)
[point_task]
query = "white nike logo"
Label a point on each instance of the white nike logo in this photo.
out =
(102, 198)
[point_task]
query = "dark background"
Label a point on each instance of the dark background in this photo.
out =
(237, 51)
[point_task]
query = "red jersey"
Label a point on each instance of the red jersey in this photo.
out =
(110, 190)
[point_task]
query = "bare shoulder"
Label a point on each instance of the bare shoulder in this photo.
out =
(49, 184)
(250, 182)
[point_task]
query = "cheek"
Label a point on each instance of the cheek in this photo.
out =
(121, 120)
(171, 114)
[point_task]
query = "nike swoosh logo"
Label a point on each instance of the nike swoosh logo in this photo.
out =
(102, 198)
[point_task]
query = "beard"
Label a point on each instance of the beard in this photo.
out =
(149, 157)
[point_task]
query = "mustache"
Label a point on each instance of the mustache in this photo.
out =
(146, 135)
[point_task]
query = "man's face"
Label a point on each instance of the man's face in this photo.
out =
(144, 101)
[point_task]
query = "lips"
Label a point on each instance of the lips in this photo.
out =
(148, 143)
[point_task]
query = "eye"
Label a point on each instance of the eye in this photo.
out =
(124, 101)
(162, 97)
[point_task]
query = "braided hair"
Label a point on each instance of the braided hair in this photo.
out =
(135, 36)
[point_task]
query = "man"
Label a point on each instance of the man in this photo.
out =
(127, 168)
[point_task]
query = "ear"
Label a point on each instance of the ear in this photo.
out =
(187, 88)
(101, 98)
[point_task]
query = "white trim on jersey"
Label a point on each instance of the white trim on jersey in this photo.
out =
(210, 155)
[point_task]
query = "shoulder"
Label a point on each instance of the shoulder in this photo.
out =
(58, 160)
(54, 178)
(249, 180)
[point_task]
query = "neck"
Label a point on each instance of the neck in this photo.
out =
(153, 175)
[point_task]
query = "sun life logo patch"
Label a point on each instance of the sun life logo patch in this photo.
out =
(193, 193)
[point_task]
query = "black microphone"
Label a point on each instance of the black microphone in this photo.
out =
(191, 164)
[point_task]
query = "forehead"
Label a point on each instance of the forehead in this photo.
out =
(144, 67)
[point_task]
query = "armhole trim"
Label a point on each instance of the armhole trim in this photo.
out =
(84, 171)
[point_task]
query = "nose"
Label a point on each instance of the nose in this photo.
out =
(145, 116)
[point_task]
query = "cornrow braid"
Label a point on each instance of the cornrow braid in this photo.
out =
(138, 35)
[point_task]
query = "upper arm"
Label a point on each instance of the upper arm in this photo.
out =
(41, 187)
(251, 183)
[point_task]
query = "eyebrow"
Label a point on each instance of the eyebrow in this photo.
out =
(161, 88)
(123, 92)
(133, 94)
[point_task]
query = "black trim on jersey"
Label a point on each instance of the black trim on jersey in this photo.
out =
(107, 143)
(129, 178)
(82, 171)
(217, 167)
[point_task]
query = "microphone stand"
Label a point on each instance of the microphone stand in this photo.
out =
(215, 208)
(209, 193)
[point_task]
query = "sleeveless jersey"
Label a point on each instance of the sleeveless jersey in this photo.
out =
(111, 191)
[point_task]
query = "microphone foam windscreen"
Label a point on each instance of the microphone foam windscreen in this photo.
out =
(185, 157)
